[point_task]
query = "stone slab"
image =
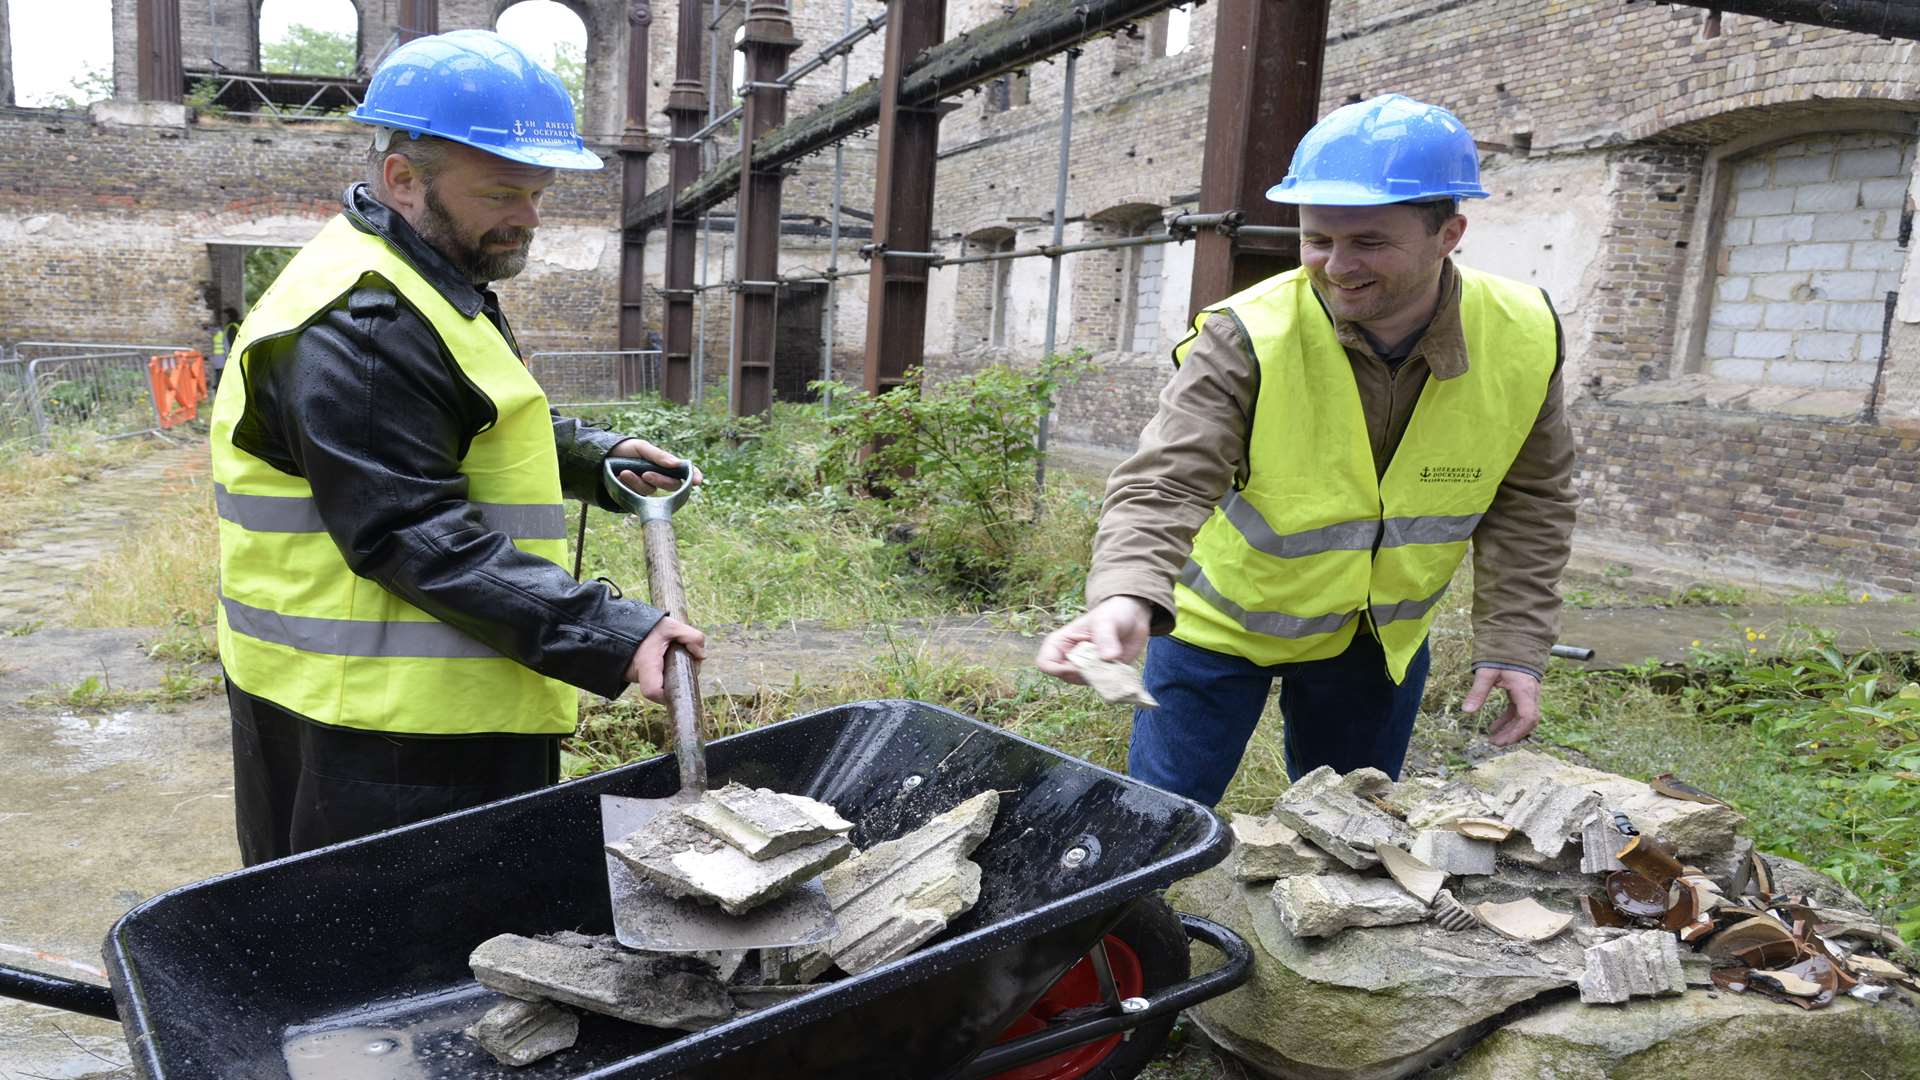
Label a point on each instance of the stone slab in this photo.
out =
(762, 823)
(684, 859)
(1331, 811)
(518, 1032)
(658, 991)
(1699, 830)
(1265, 849)
(1641, 964)
(1453, 853)
(1320, 905)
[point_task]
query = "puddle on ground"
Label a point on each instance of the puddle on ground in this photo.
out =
(420, 1040)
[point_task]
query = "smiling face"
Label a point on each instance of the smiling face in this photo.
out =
(477, 209)
(1378, 266)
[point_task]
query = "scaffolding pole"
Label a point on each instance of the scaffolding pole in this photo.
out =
(1053, 261)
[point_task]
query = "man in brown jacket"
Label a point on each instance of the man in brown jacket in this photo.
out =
(1287, 551)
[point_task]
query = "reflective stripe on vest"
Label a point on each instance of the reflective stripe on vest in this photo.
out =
(1287, 566)
(296, 625)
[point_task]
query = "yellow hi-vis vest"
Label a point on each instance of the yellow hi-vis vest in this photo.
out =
(1317, 540)
(300, 629)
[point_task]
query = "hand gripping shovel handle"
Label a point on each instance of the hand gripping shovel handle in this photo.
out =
(682, 683)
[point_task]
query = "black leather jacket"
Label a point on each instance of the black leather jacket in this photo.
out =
(369, 407)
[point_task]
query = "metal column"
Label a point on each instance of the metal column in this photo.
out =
(1053, 261)
(1265, 94)
(418, 18)
(162, 75)
(635, 148)
(909, 138)
(768, 42)
(687, 107)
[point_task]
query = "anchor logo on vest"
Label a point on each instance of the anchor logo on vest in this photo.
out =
(1449, 474)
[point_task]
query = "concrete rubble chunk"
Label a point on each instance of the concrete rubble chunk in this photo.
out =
(894, 896)
(1642, 964)
(1116, 683)
(1453, 853)
(1599, 840)
(1429, 804)
(658, 991)
(1702, 832)
(520, 1032)
(762, 823)
(1332, 811)
(684, 859)
(1264, 849)
(1547, 813)
(1320, 905)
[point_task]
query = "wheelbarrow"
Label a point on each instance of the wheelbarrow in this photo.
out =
(352, 960)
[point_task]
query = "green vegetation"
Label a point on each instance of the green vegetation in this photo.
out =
(308, 51)
(260, 266)
(90, 85)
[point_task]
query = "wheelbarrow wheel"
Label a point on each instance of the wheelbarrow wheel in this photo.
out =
(1147, 950)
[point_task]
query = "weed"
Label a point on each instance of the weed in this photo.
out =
(23, 629)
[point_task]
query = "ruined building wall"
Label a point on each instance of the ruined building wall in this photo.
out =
(6, 57)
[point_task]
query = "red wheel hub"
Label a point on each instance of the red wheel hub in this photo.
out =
(1079, 987)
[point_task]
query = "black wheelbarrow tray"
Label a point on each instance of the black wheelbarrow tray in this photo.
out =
(361, 949)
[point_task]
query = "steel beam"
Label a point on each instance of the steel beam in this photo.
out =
(162, 75)
(1264, 95)
(767, 43)
(1021, 39)
(686, 108)
(635, 149)
(1881, 18)
(909, 141)
(417, 18)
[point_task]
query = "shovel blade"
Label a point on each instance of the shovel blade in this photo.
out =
(646, 918)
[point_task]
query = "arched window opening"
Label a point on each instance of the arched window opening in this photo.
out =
(62, 54)
(552, 34)
(309, 37)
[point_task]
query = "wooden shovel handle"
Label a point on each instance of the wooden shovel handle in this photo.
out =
(682, 680)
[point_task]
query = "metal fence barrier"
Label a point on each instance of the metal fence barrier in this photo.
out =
(100, 388)
(584, 379)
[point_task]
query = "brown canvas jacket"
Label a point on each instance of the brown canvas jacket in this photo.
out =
(1194, 450)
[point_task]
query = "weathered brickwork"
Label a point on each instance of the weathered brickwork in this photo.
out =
(1655, 190)
(1824, 501)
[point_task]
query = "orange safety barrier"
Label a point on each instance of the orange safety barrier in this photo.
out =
(179, 386)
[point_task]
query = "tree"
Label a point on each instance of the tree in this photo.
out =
(307, 51)
(90, 85)
(569, 62)
(263, 264)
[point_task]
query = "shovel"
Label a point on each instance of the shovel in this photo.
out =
(644, 917)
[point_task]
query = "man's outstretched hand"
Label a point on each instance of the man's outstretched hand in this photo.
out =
(1117, 626)
(1523, 703)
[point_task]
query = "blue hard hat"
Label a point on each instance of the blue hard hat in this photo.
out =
(1388, 149)
(478, 88)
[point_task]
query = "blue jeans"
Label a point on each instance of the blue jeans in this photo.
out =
(1345, 712)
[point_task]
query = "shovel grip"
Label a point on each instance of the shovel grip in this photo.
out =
(682, 680)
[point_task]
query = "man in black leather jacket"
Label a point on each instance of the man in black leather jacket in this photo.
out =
(366, 405)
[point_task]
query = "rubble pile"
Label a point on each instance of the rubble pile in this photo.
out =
(737, 848)
(1403, 921)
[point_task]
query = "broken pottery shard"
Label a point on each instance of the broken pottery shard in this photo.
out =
(1641, 964)
(1449, 914)
(1332, 812)
(1523, 920)
(1761, 939)
(1675, 788)
(1413, 875)
(520, 1032)
(1480, 828)
(685, 860)
(1652, 859)
(1115, 682)
(1548, 812)
(1264, 849)
(764, 823)
(892, 897)
(1324, 904)
(1863, 964)
(658, 991)
(1453, 853)
(1599, 843)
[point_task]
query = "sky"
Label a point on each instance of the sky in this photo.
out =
(55, 40)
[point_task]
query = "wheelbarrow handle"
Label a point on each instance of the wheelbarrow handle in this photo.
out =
(70, 995)
(649, 507)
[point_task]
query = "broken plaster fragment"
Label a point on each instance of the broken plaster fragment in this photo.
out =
(1641, 964)
(891, 898)
(1264, 849)
(1547, 812)
(520, 1032)
(1324, 904)
(658, 991)
(684, 859)
(1332, 811)
(1599, 841)
(1117, 683)
(764, 823)
(1453, 853)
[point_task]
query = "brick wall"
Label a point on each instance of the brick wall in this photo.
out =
(1811, 500)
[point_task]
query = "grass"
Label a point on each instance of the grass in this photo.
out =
(34, 487)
